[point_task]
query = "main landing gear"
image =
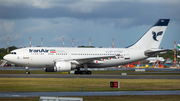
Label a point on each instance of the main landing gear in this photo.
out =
(27, 72)
(83, 72)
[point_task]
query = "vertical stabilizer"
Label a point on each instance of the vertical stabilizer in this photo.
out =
(153, 37)
(178, 46)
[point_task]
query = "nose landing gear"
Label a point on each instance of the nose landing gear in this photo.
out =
(27, 72)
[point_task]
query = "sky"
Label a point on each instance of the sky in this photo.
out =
(101, 20)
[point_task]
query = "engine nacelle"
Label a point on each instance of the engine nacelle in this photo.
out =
(61, 66)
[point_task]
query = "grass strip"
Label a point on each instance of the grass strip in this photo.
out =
(88, 84)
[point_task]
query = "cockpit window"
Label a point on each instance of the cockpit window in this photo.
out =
(13, 53)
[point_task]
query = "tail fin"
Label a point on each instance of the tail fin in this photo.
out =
(178, 46)
(152, 38)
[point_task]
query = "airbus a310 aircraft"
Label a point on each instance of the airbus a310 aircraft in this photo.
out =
(56, 59)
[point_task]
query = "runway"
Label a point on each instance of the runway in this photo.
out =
(82, 93)
(90, 76)
(111, 69)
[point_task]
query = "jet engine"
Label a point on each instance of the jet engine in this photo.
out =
(61, 66)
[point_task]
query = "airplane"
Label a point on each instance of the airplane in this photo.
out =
(155, 59)
(58, 59)
(178, 56)
(178, 46)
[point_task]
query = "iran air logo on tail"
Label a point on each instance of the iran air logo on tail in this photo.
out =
(156, 35)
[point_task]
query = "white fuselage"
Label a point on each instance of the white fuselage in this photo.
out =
(45, 56)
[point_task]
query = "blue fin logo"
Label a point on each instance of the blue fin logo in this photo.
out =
(158, 34)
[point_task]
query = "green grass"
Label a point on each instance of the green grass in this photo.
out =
(110, 98)
(88, 84)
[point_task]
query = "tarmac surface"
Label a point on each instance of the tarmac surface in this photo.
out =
(110, 76)
(115, 69)
(90, 76)
(82, 93)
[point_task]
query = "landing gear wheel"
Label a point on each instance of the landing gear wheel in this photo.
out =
(77, 72)
(83, 72)
(27, 72)
(88, 72)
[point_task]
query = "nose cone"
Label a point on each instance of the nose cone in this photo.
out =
(10, 58)
(5, 57)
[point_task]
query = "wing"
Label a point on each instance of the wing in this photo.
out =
(159, 33)
(86, 59)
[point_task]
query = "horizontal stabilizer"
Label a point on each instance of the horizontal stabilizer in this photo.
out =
(152, 53)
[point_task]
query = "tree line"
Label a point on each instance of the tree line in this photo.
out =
(3, 51)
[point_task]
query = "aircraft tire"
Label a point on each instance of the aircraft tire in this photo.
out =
(82, 72)
(27, 72)
(76, 72)
(88, 72)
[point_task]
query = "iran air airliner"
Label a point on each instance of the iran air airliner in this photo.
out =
(57, 59)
